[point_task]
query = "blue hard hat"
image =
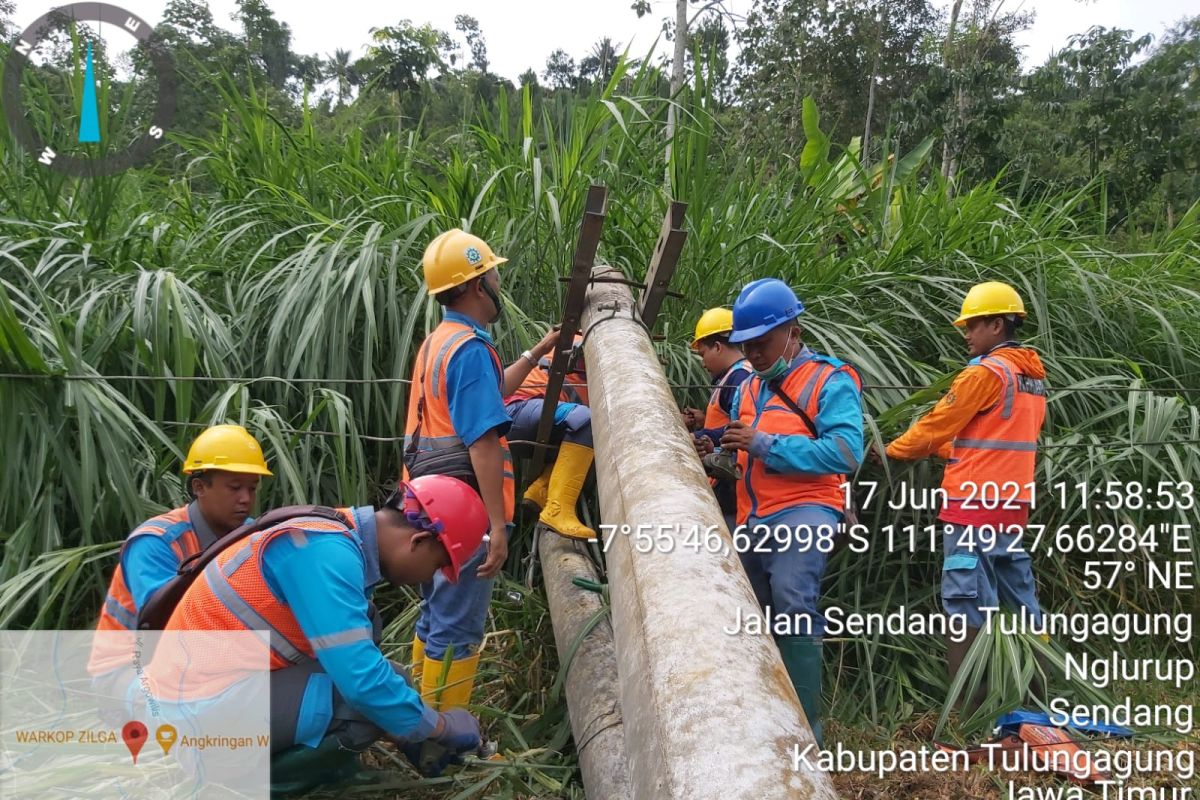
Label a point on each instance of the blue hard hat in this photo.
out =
(762, 305)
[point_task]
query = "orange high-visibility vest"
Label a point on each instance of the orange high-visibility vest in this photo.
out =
(999, 446)
(429, 377)
(232, 594)
(119, 612)
(574, 388)
(761, 492)
(714, 415)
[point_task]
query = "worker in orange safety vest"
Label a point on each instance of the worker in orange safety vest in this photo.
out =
(797, 429)
(987, 427)
(308, 580)
(457, 425)
(728, 368)
(223, 467)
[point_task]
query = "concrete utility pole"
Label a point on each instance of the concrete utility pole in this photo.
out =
(591, 681)
(706, 714)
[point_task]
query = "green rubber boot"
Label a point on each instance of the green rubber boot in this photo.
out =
(300, 768)
(802, 658)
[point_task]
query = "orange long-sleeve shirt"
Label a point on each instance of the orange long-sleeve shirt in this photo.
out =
(976, 388)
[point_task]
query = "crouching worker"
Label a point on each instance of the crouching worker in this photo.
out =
(223, 467)
(554, 493)
(308, 581)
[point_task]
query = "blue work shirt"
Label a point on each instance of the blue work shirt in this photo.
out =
(326, 580)
(473, 386)
(148, 561)
(837, 448)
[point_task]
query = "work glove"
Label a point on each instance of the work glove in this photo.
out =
(460, 733)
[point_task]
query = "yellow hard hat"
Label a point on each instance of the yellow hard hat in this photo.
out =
(715, 320)
(456, 257)
(226, 447)
(986, 299)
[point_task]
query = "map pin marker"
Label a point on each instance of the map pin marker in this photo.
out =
(134, 734)
(166, 737)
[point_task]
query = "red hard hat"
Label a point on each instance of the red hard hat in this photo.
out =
(454, 511)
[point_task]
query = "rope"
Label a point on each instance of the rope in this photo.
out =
(369, 381)
(528, 443)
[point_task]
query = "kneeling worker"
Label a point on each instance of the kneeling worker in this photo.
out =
(556, 491)
(309, 580)
(798, 431)
(223, 467)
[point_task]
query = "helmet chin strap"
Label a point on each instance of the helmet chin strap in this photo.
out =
(494, 296)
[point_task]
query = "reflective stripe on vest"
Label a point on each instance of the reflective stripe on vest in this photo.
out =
(429, 377)
(714, 415)
(761, 493)
(233, 594)
(998, 448)
(119, 612)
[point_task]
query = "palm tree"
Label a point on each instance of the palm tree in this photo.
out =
(601, 62)
(342, 74)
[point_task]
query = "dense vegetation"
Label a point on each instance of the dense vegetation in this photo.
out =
(265, 270)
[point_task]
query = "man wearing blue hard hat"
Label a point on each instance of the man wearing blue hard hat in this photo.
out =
(797, 430)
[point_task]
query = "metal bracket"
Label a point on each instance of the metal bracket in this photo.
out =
(581, 274)
(662, 264)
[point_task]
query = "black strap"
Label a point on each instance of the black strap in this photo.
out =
(790, 403)
(410, 452)
(850, 511)
(154, 614)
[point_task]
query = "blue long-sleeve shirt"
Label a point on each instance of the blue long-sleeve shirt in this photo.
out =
(148, 561)
(326, 580)
(837, 448)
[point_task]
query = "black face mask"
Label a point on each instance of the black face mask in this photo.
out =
(494, 296)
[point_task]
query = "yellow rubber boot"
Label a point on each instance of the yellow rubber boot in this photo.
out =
(418, 660)
(534, 499)
(455, 690)
(566, 482)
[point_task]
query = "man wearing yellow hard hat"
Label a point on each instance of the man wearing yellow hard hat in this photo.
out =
(987, 427)
(728, 368)
(456, 426)
(223, 467)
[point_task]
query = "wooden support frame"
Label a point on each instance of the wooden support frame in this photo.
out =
(662, 264)
(581, 273)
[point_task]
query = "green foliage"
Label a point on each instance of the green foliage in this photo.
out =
(402, 55)
(266, 271)
(830, 50)
(1108, 107)
(560, 70)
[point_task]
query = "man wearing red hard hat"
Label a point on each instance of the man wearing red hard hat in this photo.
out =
(309, 581)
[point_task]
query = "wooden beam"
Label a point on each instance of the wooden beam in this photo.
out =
(662, 263)
(581, 273)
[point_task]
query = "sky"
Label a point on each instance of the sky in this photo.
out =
(522, 33)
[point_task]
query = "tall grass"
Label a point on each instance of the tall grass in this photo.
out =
(289, 253)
